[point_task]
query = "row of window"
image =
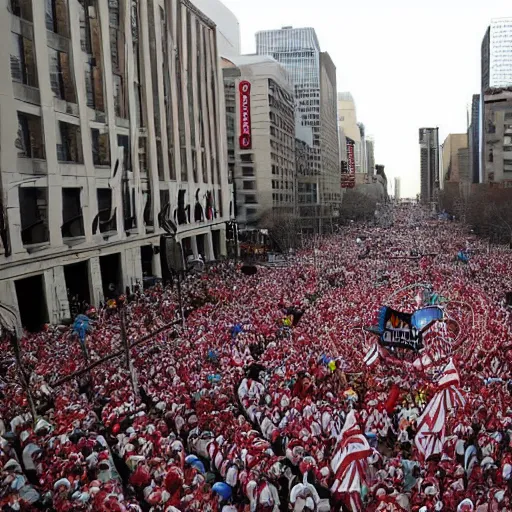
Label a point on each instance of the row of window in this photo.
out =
(283, 197)
(276, 185)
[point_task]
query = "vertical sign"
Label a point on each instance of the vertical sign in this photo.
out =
(348, 178)
(245, 114)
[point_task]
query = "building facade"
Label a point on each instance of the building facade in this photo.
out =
(429, 164)
(496, 58)
(110, 125)
(474, 139)
(450, 158)
(398, 192)
(227, 26)
(330, 183)
(349, 127)
(264, 175)
(497, 136)
(370, 156)
(313, 75)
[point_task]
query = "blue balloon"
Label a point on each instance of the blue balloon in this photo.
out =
(189, 459)
(223, 490)
(197, 464)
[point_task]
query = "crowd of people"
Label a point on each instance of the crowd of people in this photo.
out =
(274, 395)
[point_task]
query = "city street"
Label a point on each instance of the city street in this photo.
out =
(255, 406)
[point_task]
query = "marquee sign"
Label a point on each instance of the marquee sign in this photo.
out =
(245, 114)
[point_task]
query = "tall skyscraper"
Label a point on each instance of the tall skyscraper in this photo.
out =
(429, 148)
(314, 77)
(497, 54)
(474, 140)
(370, 155)
(397, 189)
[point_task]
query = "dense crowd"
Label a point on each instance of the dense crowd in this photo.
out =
(274, 397)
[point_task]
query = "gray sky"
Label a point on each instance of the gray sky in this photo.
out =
(407, 63)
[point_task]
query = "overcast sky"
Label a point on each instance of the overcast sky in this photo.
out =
(408, 64)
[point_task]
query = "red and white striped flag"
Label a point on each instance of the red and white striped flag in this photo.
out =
(349, 463)
(373, 355)
(431, 424)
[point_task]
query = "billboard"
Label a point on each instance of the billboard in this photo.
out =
(245, 114)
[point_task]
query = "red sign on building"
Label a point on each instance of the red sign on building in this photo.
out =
(245, 115)
(348, 179)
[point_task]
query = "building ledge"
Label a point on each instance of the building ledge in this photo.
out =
(108, 234)
(65, 107)
(32, 248)
(26, 93)
(72, 241)
(32, 166)
(122, 122)
(57, 41)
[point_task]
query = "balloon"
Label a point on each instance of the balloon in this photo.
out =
(223, 490)
(332, 365)
(197, 464)
(190, 459)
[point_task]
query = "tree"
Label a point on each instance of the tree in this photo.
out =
(283, 228)
(357, 206)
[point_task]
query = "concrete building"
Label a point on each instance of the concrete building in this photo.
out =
(450, 157)
(314, 78)
(497, 136)
(474, 139)
(349, 127)
(330, 184)
(398, 192)
(429, 162)
(228, 27)
(264, 176)
(370, 156)
(496, 58)
(102, 138)
(464, 165)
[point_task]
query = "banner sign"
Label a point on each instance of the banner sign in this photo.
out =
(245, 115)
(397, 330)
(348, 178)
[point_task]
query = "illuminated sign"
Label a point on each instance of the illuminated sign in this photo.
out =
(245, 115)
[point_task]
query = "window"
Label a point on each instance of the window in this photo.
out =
(143, 158)
(56, 16)
(23, 62)
(251, 199)
(30, 140)
(124, 142)
(507, 165)
(70, 147)
(61, 76)
(249, 185)
(34, 215)
(22, 9)
(247, 157)
(247, 171)
(106, 222)
(251, 212)
(72, 218)
(119, 102)
(100, 147)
